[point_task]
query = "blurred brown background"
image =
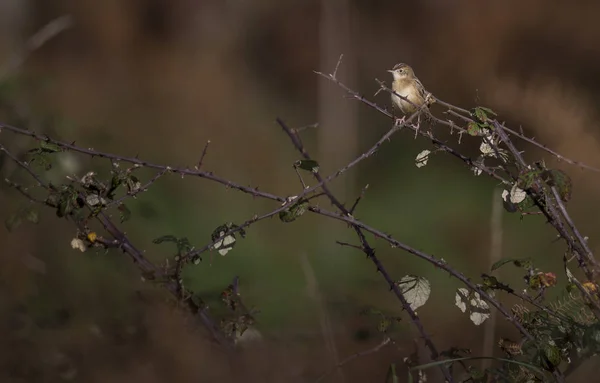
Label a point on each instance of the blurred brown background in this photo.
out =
(159, 78)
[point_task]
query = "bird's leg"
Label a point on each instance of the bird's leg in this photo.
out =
(400, 121)
(418, 125)
(397, 122)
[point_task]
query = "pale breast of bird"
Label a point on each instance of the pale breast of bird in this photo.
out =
(407, 89)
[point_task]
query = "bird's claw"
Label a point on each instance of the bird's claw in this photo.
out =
(400, 121)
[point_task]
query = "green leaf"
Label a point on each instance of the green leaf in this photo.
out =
(473, 129)
(308, 165)
(500, 263)
(481, 113)
(294, 211)
(116, 181)
(524, 263)
(527, 178)
(13, 222)
(562, 182)
(64, 207)
(491, 282)
(41, 156)
(49, 147)
(488, 110)
(571, 287)
(526, 204)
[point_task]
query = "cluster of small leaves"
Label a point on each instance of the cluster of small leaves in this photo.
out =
(67, 201)
(123, 177)
(568, 331)
(70, 198)
(519, 200)
(535, 279)
(480, 126)
(98, 193)
(557, 339)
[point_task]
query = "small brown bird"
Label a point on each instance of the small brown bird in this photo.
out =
(408, 85)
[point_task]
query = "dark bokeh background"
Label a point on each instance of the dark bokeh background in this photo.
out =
(159, 78)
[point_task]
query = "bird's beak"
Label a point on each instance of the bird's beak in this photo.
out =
(391, 71)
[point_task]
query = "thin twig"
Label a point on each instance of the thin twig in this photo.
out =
(362, 194)
(141, 189)
(369, 251)
(372, 350)
(334, 75)
(202, 156)
(357, 247)
(146, 267)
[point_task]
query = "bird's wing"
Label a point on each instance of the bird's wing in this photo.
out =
(421, 89)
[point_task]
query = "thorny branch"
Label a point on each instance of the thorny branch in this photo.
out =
(578, 245)
(368, 250)
(121, 241)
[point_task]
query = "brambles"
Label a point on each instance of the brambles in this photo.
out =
(553, 334)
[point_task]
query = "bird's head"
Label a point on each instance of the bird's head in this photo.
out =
(400, 71)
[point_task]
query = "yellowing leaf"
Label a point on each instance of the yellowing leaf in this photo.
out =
(78, 244)
(422, 158)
